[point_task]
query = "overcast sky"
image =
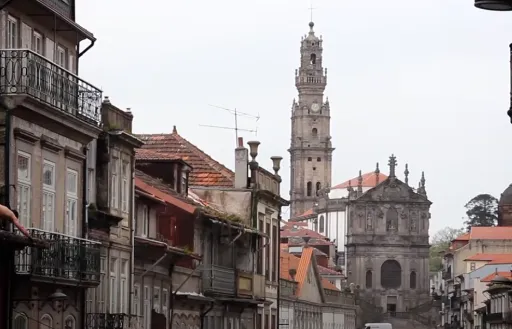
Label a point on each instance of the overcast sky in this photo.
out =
(427, 80)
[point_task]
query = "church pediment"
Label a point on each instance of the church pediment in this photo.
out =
(393, 190)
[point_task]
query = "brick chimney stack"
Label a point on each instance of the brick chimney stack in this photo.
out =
(241, 165)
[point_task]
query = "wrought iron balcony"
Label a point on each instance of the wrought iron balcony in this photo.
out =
(24, 72)
(219, 280)
(113, 321)
(69, 260)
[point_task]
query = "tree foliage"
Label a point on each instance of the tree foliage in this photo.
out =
(440, 242)
(482, 210)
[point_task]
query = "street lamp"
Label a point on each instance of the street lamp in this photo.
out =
(495, 5)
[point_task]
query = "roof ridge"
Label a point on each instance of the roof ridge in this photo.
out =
(225, 171)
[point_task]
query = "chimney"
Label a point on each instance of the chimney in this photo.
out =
(241, 165)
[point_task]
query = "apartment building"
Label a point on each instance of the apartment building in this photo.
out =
(48, 117)
(251, 194)
(310, 301)
(110, 219)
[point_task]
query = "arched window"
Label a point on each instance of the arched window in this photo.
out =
(69, 323)
(46, 322)
(391, 275)
(322, 224)
(314, 132)
(391, 220)
(318, 187)
(20, 321)
(312, 59)
(412, 280)
(309, 187)
(369, 279)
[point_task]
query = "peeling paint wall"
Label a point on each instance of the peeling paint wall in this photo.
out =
(231, 201)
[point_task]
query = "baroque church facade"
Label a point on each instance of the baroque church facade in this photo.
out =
(378, 222)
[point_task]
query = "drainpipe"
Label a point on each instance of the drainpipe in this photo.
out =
(86, 49)
(7, 185)
(278, 320)
(203, 314)
(132, 238)
(85, 226)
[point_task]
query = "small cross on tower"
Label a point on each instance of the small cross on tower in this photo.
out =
(392, 165)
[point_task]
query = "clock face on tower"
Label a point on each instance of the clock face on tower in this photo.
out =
(315, 107)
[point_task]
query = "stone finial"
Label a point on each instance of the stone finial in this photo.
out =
(360, 183)
(377, 174)
(421, 186)
(392, 166)
(174, 130)
(406, 173)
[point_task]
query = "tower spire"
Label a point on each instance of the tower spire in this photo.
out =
(406, 173)
(392, 165)
(377, 174)
(421, 188)
(360, 183)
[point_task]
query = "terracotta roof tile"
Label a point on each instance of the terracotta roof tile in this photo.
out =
(300, 231)
(205, 170)
(160, 190)
(147, 154)
(326, 284)
(463, 237)
(491, 276)
(302, 271)
(288, 261)
(369, 180)
(491, 233)
(325, 270)
(489, 257)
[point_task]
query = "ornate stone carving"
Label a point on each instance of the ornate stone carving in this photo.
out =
(380, 213)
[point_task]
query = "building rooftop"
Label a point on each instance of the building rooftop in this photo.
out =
(205, 170)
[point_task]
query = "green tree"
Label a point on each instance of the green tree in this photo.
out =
(440, 242)
(482, 210)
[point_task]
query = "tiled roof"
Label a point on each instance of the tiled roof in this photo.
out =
(491, 276)
(160, 190)
(300, 231)
(326, 284)
(288, 262)
(299, 241)
(491, 233)
(325, 270)
(463, 237)
(369, 180)
(205, 170)
(489, 257)
(146, 154)
(301, 265)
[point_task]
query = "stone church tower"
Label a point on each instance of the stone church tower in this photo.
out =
(311, 148)
(388, 246)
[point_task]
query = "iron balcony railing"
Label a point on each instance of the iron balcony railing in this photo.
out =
(219, 280)
(24, 72)
(113, 321)
(68, 258)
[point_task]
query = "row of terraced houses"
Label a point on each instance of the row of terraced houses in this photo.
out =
(118, 230)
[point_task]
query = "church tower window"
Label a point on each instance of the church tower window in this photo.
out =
(412, 280)
(391, 220)
(318, 187)
(312, 59)
(309, 188)
(314, 132)
(322, 224)
(369, 279)
(391, 274)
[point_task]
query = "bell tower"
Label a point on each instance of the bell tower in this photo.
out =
(311, 148)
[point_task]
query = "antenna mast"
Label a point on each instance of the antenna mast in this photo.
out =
(236, 114)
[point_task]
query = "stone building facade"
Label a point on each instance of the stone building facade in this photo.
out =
(48, 116)
(310, 149)
(387, 243)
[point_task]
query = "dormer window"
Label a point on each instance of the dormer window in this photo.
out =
(144, 232)
(185, 170)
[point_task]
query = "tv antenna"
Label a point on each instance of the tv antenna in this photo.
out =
(236, 114)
